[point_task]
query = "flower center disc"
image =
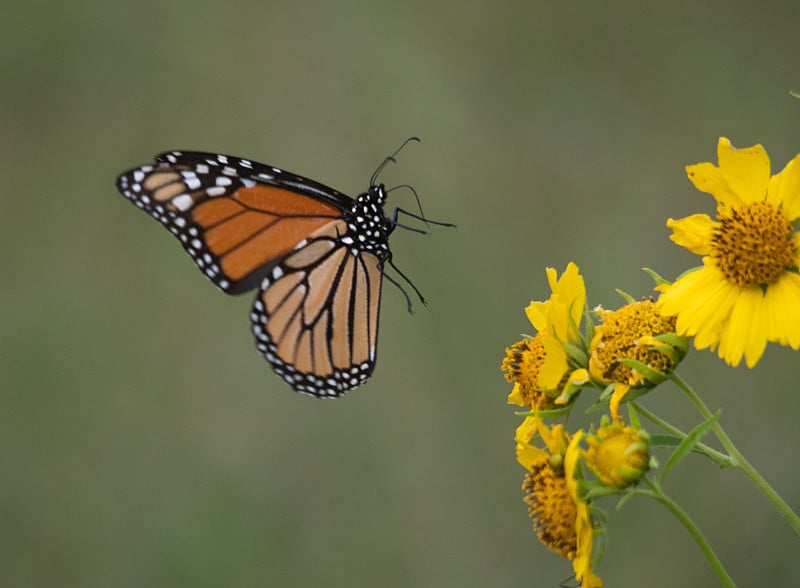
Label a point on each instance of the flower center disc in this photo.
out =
(753, 245)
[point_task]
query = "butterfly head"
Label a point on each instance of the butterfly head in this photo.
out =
(368, 223)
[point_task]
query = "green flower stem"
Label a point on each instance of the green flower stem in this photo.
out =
(657, 494)
(738, 460)
(718, 456)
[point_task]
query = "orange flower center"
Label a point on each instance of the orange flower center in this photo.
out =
(753, 246)
(618, 338)
(551, 508)
(522, 364)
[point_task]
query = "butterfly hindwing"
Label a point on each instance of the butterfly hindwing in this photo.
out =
(316, 316)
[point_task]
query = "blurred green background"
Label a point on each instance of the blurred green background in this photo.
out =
(143, 442)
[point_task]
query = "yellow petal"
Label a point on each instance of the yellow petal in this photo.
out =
(746, 170)
(555, 438)
(782, 303)
(589, 579)
(571, 456)
(702, 300)
(554, 366)
(529, 455)
(708, 178)
(552, 278)
(745, 333)
(582, 563)
(684, 298)
(784, 189)
(572, 291)
(515, 396)
(620, 390)
(537, 315)
(579, 377)
(713, 314)
(693, 232)
(526, 430)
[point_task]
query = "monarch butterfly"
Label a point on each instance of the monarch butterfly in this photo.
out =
(316, 255)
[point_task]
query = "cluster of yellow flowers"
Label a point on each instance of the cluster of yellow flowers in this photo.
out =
(745, 294)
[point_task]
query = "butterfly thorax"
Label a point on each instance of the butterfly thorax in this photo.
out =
(367, 223)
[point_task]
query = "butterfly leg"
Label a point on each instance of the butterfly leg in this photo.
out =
(400, 286)
(427, 221)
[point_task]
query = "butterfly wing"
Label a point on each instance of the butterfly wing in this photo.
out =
(246, 224)
(236, 218)
(316, 316)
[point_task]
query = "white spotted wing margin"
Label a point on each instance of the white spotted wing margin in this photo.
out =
(171, 189)
(316, 316)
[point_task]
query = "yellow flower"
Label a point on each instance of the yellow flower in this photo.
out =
(748, 290)
(539, 365)
(632, 332)
(522, 366)
(561, 518)
(618, 455)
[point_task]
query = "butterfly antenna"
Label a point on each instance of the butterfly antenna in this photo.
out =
(391, 158)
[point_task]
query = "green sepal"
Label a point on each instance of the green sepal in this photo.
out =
(600, 491)
(656, 277)
(555, 412)
(627, 297)
(577, 357)
(653, 376)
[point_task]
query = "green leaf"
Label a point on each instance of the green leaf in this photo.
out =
(689, 444)
(664, 441)
(722, 461)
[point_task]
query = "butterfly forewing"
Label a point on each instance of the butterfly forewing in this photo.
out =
(228, 218)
